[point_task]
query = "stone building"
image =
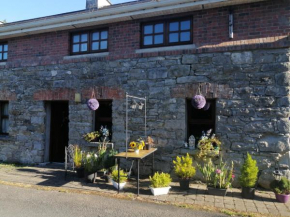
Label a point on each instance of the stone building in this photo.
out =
(165, 50)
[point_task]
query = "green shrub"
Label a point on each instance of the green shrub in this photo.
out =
(123, 176)
(160, 180)
(91, 162)
(249, 172)
(77, 157)
(183, 167)
(281, 186)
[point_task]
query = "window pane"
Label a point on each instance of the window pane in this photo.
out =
(148, 29)
(1, 56)
(95, 36)
(5, 56)
(185, 36)
(76, 48)
(174, 26)
(5, 109)
(84, 37)
(185, 25)
(95, 46)
(158, 28)
(76, 38)
(173, 37)
(6, 47)
(5, 124)
(158, 39)
(84, 47)
(1, 48)
(104, 35)
(148, 40)
(104, 44)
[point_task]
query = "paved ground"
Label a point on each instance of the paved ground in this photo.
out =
(52, 177)
(29, 202)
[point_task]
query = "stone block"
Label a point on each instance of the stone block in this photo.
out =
(242, 58)
(259, 127)
(189, 59)
(157, 73)
(179, 70)
(274, 143)
(239, 146)
(37, 120)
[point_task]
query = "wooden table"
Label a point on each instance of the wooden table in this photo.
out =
(132, 155)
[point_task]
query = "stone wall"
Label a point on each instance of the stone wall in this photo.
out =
(251, 88)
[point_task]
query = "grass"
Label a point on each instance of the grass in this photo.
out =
(12, 165)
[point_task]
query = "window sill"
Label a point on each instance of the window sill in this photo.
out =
(5, 138)
(2, 63)
(91, 55)
(168, 48)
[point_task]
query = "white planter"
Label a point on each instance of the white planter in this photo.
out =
(159, 191)
(122, 185)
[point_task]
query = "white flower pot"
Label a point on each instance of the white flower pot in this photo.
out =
(159, 191)
(122, 185)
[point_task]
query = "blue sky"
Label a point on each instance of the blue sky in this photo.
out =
(15, 10)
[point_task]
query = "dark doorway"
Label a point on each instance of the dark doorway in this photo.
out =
(199, 120)
(103, 116)
(58, 130)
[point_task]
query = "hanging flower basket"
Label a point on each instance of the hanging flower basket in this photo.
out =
(93, 103)
(198, 101)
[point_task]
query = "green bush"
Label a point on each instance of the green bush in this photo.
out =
(123, 176)
(160, 180)
(281, 186)
(183, 167)
(91, 162)
(249, 172)
(77, 157)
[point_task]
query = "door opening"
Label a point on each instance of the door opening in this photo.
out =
(58, 130)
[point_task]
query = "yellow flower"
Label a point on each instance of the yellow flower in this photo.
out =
(132, 144)
(143, 143)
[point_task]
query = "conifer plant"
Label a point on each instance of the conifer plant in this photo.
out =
(249, 176)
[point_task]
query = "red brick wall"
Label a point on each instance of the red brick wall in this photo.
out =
(256, 25)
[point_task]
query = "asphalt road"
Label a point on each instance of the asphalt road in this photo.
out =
(22, 202)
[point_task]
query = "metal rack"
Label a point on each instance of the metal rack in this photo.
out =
(128, 97)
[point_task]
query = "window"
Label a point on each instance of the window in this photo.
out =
(166, 33)
(4, 117)
(3, 52)
(103, 116)
(199, 120)
(89, 42)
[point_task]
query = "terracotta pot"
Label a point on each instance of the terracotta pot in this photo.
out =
(217, 191)
(283, 198)
(248, 193)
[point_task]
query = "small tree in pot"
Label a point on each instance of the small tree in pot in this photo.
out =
(184, 170)
(281, 189)
(248, 178)
(160, 183)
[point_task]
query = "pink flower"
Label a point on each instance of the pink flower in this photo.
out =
(233, 176)
(218, 171)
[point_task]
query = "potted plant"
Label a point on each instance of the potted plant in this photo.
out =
(137, 146)
(281, 189)
(91, 165)
(160, 183)
(248, 178)
(184, 170)
(78, 162)
(218, 177)
(208, 146)
(109, 164)
(115, 180)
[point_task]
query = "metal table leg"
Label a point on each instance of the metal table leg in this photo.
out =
(118, 175)
(152, 164)
(138, 177)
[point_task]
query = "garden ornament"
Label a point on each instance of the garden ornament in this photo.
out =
(93, 103)
(198, 101)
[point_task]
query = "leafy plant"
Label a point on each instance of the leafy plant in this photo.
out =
(281, 186)
(160, 180)
(91, 136)
(110, 160)
(91, 162)
(249, 172)
(183, 167)
(123, 176)
(208, 146)
(77, 157)
(217, 176)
